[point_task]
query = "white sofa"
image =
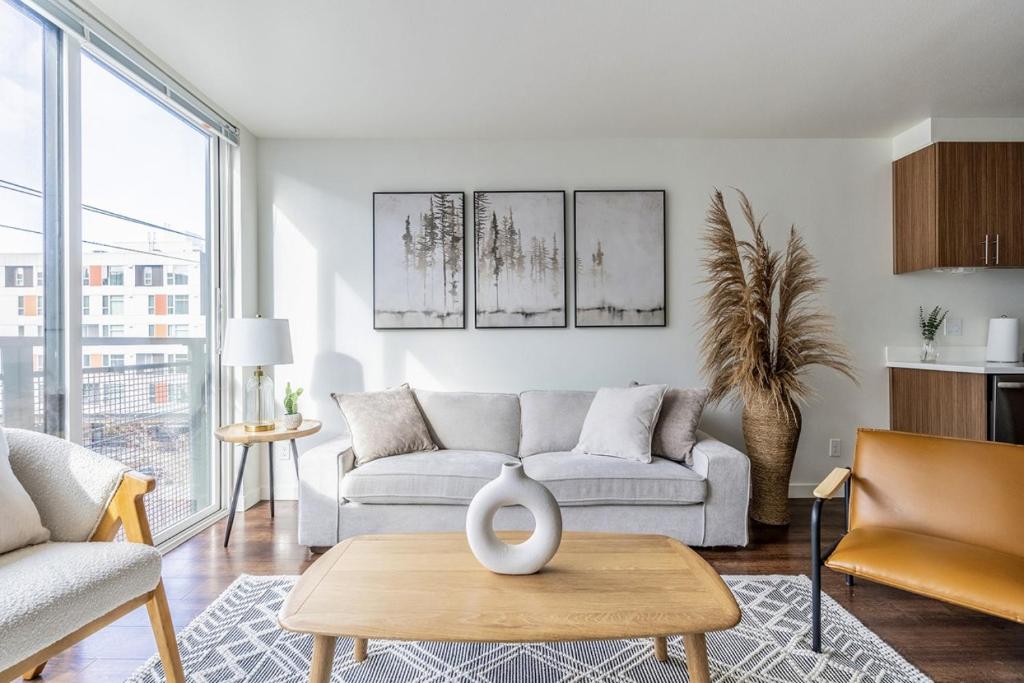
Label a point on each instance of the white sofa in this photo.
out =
(702, 505)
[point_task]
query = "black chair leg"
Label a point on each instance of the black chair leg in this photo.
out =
(816, 576)
(849, 579)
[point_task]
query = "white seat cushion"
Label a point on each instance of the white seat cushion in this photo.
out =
(50, 590)
(445, 477)
(584, 479)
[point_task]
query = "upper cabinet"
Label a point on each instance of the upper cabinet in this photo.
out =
(959, 204)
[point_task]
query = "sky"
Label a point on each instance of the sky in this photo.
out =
(138, 158)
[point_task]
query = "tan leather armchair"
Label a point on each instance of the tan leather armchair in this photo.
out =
(935, 516)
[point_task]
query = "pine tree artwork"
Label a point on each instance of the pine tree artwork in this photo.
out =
(620, 258)
(519, 249)
(418, 260)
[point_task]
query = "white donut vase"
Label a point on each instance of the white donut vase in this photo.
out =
(513, 487)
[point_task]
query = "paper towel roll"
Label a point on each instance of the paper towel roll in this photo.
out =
(1003, 340)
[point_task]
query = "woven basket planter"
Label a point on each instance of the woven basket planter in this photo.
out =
(771, 439)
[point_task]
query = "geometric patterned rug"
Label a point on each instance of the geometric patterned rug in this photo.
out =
(237, 639)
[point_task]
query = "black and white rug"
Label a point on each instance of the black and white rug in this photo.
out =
(237, 639)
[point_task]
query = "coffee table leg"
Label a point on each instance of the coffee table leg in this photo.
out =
(323, 657)
(660, 649)
(697, 657)
(359, 651)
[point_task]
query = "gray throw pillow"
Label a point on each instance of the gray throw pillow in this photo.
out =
(676, 431)
(620, 422)
(21, 524)
(383, 423)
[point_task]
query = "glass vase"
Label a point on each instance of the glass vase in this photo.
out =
(929, 351)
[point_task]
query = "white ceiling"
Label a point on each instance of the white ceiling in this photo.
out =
(589, 68)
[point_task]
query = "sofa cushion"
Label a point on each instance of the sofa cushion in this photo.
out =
(469, 421)
(552, 420)
(960, 573)
(49, 590)
(445, 477)
(384, 423)
(621, 422)
(584, 479)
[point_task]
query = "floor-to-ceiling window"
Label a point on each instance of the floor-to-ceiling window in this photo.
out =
(109, 229)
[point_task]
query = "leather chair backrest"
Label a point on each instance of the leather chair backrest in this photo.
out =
(962, 490)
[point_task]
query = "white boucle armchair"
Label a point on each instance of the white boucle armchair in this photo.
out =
(54, 594)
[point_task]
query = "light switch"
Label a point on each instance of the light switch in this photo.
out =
(953, 327)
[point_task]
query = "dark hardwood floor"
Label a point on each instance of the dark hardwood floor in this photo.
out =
(947, 643)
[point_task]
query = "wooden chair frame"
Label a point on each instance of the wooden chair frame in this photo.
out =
(125, 509)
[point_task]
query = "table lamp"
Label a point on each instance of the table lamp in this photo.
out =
(256, 342)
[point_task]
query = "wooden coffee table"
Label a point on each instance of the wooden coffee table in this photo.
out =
(430, 587)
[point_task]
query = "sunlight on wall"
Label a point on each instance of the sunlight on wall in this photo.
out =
(418, 376)
(295, 297)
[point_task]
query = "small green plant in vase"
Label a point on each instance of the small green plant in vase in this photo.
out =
(292, 417)
(930, 324)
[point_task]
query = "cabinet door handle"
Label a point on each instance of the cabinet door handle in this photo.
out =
(997, 248)
(1010, 385)
(986, 249)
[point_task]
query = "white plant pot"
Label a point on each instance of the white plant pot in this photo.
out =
(290, 421)
(513, 487)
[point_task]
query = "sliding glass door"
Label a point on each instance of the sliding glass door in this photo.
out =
(139, 220)
(146, 327)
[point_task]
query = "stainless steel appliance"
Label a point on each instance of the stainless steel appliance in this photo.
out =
(1006, 408)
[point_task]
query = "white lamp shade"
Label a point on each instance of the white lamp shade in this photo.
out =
(257, 341)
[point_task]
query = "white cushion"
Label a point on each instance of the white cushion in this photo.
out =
(384, 423)
(552, 420)
(21, 525)
(445, 477)
(581, 479)
(621, 421)
(50, 590)
(470, 421)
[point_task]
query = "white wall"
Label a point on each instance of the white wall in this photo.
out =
(315, 231)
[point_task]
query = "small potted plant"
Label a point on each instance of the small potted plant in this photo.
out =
(930, 324)
(292, 417)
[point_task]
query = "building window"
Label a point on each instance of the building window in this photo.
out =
(90, 330)
(151, 305)
(147, 276)
(21, 305)
(177, 330)
(113, 304)
(149, 359)
(39, 277)
(85, 305)
(112, 331)
(113, 276)
(85, 277)
(176, 275)
(19, 277)
(86, 360)
(177, 304)
(113, 360)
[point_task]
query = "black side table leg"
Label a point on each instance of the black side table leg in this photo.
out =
(270, 463)
(295, 459)
(234, 497)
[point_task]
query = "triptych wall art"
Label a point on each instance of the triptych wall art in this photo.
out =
(519, 259)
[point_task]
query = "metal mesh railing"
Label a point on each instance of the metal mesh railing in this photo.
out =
(150, 417)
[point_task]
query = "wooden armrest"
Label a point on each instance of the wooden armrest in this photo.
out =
(126, 508)
(831, 484)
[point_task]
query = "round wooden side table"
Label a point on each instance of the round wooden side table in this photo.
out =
(236, 434)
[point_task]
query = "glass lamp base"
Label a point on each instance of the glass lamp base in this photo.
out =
(258, 415)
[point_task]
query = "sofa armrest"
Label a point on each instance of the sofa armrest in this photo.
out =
(320, 471)
(727, 472)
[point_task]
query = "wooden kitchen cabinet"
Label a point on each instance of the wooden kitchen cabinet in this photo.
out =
(938, 403)
(959, 204)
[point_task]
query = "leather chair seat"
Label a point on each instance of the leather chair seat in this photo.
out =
(960, 573)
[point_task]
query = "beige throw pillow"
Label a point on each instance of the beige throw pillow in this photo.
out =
(676, 432)
(620, 422)
(21, 524)
(384, 423)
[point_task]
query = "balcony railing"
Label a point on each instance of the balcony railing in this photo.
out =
(151, 417)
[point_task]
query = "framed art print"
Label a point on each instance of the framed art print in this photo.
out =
(519, 254)
(418, 260)
(620, 258)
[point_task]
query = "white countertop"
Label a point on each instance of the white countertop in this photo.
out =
(951, 359)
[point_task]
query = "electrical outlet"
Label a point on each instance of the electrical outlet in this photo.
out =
(953, 327)
(835, 448)
(283, 454)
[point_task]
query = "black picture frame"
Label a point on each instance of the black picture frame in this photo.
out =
(664, 258)
(565, 262)
(374, 312)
